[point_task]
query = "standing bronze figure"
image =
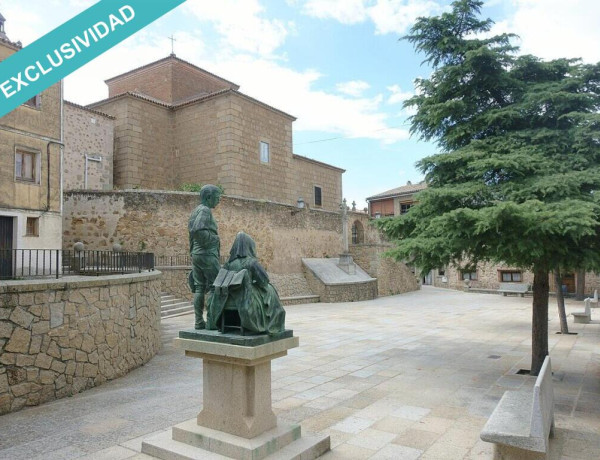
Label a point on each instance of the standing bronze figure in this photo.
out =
(204, 249)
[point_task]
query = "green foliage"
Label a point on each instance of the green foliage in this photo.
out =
(520, 157)
(189, 187)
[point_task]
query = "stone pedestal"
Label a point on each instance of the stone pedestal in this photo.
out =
(346, 263)
(237, 420)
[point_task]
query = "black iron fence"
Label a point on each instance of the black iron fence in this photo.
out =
(173, 261)
(54, 263)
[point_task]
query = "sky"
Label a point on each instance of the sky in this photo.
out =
(339, 66)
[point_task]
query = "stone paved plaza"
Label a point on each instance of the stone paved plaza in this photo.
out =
(403, 377)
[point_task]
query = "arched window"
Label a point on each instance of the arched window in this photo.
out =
(358, 233)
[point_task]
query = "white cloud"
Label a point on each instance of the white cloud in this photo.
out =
(555, 28)
(241, 25)
(398, 95)
(388, 16)
(353, 88)
(344, 11)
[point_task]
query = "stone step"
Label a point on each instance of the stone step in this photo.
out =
(300, 299)
(278, 444)
(172, 306)
(177, 312)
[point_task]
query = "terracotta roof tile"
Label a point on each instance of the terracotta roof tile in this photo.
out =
(403, 190)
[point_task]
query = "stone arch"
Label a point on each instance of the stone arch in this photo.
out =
(358, 232)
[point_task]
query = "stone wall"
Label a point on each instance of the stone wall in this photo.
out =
(60, 337)
(157, 221)
(488, 277)
(175, 282)
(392, 277)
(329, 293)
(87, 133)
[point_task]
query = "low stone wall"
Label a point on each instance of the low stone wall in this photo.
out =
(59, 337)
(392, 277)
(329, 293)
(175, 282)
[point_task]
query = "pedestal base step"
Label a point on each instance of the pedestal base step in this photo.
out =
(189, 441)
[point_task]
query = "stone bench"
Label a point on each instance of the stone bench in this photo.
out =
(522, 423)
(513, 288)
(584, 316)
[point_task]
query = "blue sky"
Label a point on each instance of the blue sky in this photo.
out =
(337, 65)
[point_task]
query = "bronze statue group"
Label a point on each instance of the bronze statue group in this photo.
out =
(241, 282)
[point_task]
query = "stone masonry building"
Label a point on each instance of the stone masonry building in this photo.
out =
(175, 124)
(30, 182)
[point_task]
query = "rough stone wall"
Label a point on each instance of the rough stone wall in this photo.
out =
(392, 277)
(157, 221)
(188, 81)
(329, 293)
(60, 337)
(487, 277)
(175, 282)
(92, 134)
(143, 152)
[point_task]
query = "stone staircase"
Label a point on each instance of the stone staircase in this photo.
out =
(171, 306)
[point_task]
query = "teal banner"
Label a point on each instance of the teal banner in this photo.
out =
(72, 45)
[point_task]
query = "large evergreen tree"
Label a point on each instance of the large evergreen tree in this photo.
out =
(519, 166)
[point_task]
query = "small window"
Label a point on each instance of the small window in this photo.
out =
(404, 207)
(26, 166)
(442, 272)
(33, 226)
(469, 276)
(318, 197)
(35, 102)
(264, 152)
(511, 277)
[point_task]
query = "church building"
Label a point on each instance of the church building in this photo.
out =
(176, 124)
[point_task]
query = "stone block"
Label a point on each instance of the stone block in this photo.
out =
(25, 360)
(67, 354)
(43, 361)
(58, 366)
(3, 383)
(5, 403)
(80, 356)
(90, 370)
(53, 350)
(16, 375)
(57, 312)
(6, 329)
(40, 327)
(20, 389)
(47, 377)
(88, 343)
(36, 345)
(19, 341)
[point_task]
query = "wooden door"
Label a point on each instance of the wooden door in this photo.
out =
(568, 280)
(6, 243)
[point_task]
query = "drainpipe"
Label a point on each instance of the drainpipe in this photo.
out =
(48, 159)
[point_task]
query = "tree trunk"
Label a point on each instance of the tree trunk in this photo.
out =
(560, 301)
(539, 326)
(580, 285)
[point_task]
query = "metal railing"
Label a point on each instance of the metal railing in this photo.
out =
(54, 263)
(173, 261)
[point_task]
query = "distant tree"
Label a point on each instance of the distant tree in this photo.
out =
(519, 165)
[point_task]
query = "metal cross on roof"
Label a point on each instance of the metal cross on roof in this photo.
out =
(173, 40)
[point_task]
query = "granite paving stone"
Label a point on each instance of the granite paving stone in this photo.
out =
(402, 377)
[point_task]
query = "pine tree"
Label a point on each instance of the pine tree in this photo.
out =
(519, 159)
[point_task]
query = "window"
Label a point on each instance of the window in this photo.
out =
(26, 166)
(441, 272)
(404, 207)
(35, 102)
(318, 197)
(264, 152)
(469, 276)
(33, 226)
(358, 233)
(511, 276)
